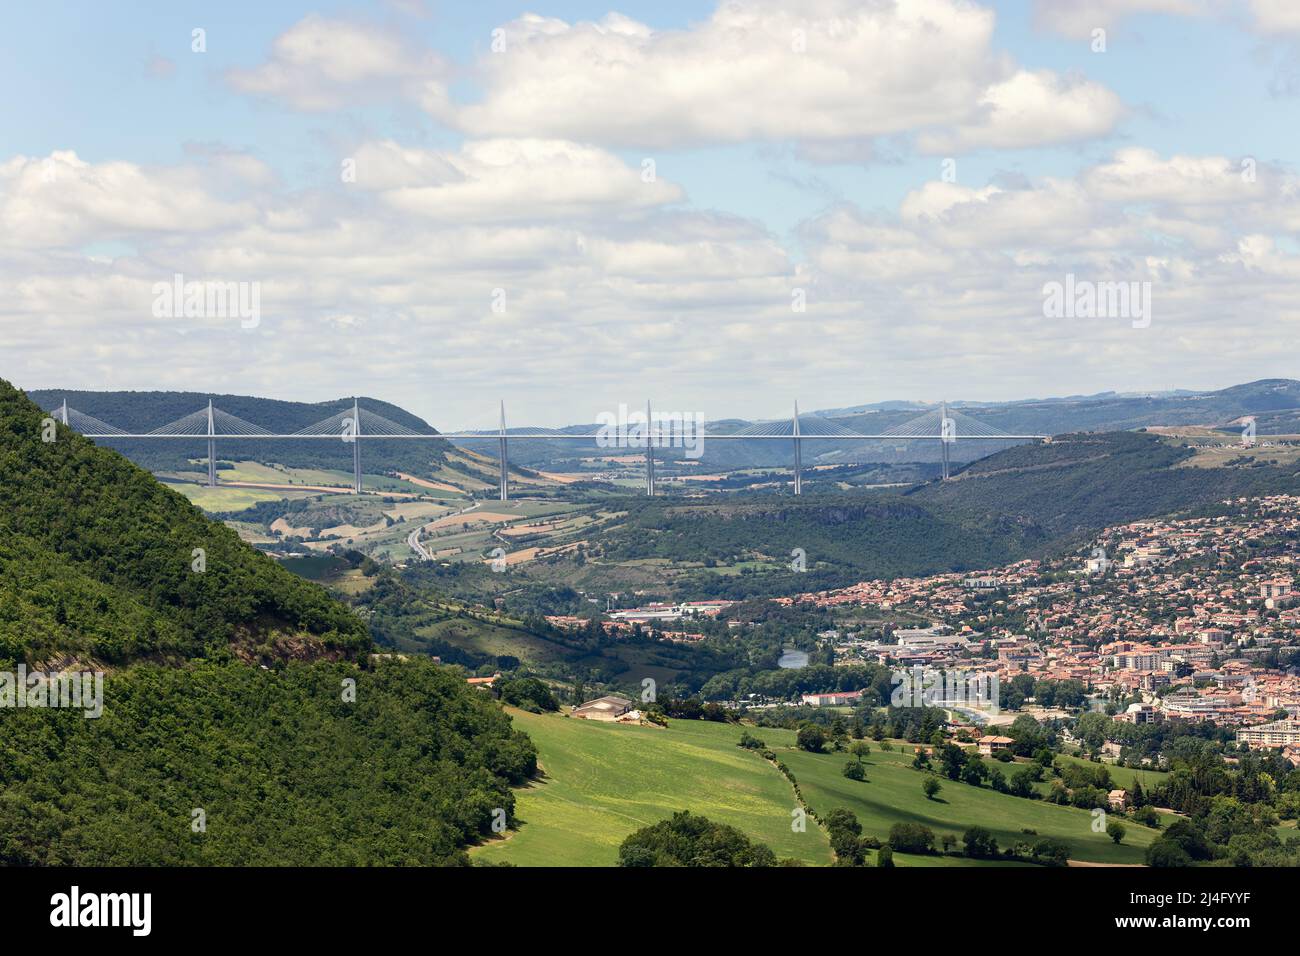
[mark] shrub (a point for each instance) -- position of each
(980, 843)
(811, 738)
(911, 838)
(688, 839)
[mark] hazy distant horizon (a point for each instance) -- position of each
(516, 412)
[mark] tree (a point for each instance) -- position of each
(1115, 830)
(1051, 851)
(527, 693)
(911, 838)
(860, 749)
(844, 830)
(885, 857)
(952, 759)
(997, 780)
(839, 733)
(1189, 838)
(811, 738)
(842, 818)
(980, 843)
(1092, 728)
(1147, 816)
(975, 771)
(688, 839)
(1167, 853)
(853, 770)
(1022, 783)
(930, 787)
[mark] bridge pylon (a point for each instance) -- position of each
(504, 457)
(649, 453)
(212, 448)
(944, 439)
(356, 447)
(798, 452)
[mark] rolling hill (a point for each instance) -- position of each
(99, 561)
(602, 781)
(241, 718)
(142, 412)
(1027, 501)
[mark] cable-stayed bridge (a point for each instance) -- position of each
(355, 425)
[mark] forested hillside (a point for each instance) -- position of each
(1022, 502)
(284, 771)
(320, 756)
(99, 560)
(1083, 482)
(843, 538)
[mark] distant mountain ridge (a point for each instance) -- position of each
(1032, 500)
(141, 412)
(1275, 403)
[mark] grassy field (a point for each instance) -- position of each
(892, 794)
(603, 781)
(483, 638)
(1122, 777)
(230, 499)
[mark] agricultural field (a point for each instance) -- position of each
(603, 781)
(1212, 448)
(221, 499)
(892, 794)
(472, 535)
(1234, 456)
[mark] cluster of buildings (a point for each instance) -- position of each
(654, 615)
(1194, 618)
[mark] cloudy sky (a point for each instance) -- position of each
(722, 208)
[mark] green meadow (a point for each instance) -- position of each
(892, 794)
(603, 781)
(1122, 776)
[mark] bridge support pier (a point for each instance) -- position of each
(947, 435)
(356, 448)
(212, 449)
(649, 454)
(505, 459)
(798, 453)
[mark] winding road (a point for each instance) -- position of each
(413, 539)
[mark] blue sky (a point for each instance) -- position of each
(231, 134)
(1198, 85)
